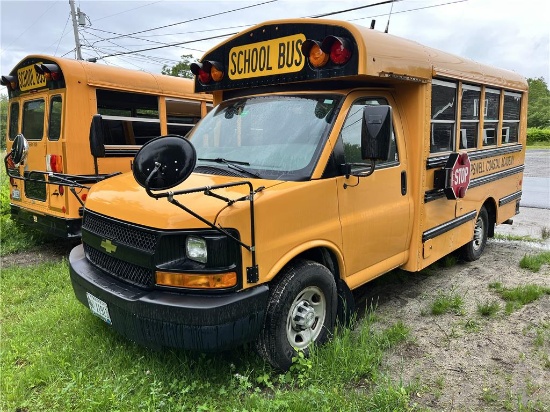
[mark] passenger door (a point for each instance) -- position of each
(375, 210)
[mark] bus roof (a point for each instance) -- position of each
(376, 55)
(100, 75)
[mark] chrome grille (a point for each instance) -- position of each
(125, 234)
(120, 269)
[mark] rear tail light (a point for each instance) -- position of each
(10, 163)
(9, 81)
(54, 163)
(50, 71)
(208, 71)
(61, 190)
(333, 49)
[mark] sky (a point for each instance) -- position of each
(510, 34)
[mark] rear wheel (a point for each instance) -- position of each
(301, 311)
(473, 250)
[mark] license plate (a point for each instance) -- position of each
(98, 308)
(16, 194)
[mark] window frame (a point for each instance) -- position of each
(434, 123)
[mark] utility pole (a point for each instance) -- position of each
(75, 29)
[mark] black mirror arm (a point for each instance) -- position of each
(348, 172)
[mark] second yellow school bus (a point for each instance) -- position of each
(335, 153)
(52, 102)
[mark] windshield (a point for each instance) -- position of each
(275, 137)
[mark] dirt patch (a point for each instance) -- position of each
(47, 252)
(467, 361)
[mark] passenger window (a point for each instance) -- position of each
(14, 120)
(33, 119)
(351, 134)
(54, 127)
(129, 118)
(510, 125)
(490, 117)
(469, 119)
(443, 122)
(182, 115)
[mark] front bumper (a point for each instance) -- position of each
(163, 318)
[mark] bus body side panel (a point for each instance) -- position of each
(290, 221)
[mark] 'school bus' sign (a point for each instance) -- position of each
(29, 78)
(277, 56)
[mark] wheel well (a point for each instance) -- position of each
(323, 256)
(346, 300)
(491, 208)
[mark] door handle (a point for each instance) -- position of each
(403, 182)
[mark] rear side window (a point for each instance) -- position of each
(182, 115)
(129, 118)
(14, 120)
(443, 124)
(33, 119)
(510, 125)
(469, 120)
(490, 117)
(54, 127)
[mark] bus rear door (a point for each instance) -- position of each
(56, 156)
(33, 127)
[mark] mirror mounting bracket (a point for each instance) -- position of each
(252, 272)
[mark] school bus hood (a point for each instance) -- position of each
(121, 197)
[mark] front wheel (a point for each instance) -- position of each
(472, 250)
(301, 311)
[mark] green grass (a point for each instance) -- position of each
(488, 308)
(516, 238)
(520, 295)
(447, 303)
(535, 262)
(57, 356)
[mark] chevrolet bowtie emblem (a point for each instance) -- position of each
(108, 246)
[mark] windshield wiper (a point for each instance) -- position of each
(232, 164)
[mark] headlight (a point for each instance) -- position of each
(196, 249)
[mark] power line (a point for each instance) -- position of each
(198, 18)
(354, 8)
(32, 25)
(126, 11)
(409, 10)
(168, 45)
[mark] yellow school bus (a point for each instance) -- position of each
(52, 101)
(335, 153)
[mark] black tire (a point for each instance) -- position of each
(474, 249)
(301, 310)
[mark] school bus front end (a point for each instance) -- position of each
(334, 154)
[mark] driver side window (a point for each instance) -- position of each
(351, 133)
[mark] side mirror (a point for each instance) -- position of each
(376, 130)
(19, 149)
(97, 137)
(164, 162)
